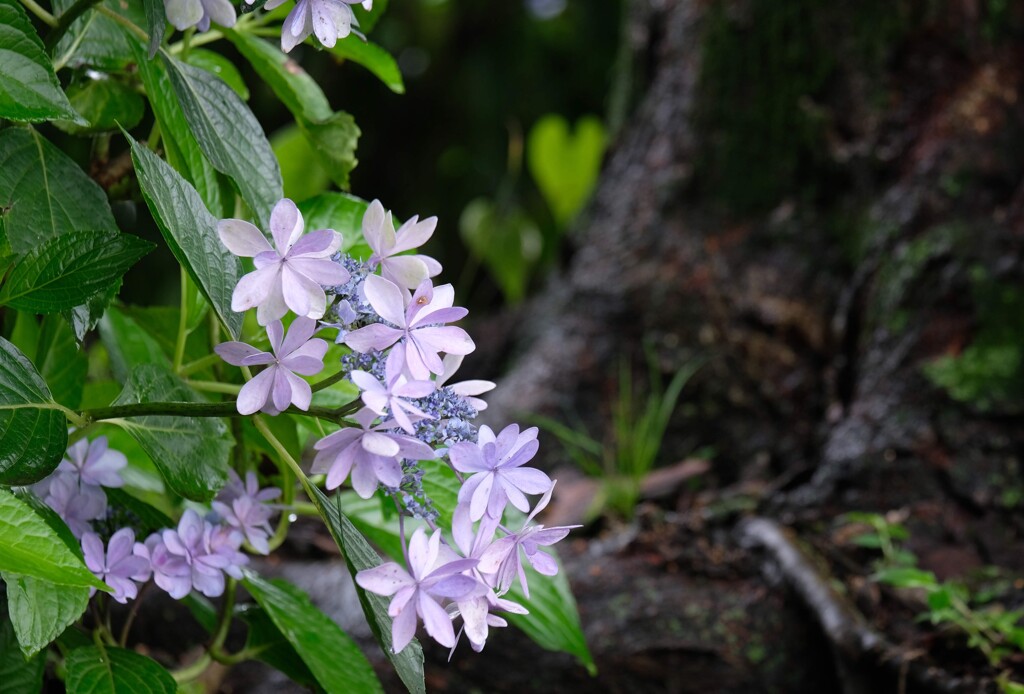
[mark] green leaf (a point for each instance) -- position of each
(217, 64)
(30, 547)
(190, 452)
(373, 58)
(293, 86)
(906, 577)
(60, 362)
(565, 165)
(109, 670)
(20, 676)
(62, 272)
(272, 647)
(335, 660)
(442, 487)
(369, 518)
(358, 556)
(301, 171)
(156, 24)
(554, 621)
(29, 90)
(40, 611)
(339, 211)
(191, 233)
(33, 433)
(183, 151)
(506, 239)
(128, 344)
(228, 134)
(43, 193)
(97, 40)
(104, 104)
(83, 319)
(335, 141)
(332, 136)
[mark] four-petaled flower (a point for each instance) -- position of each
(330, 20)
(418, 590)
(94, 463)
(391, 396)
(419, 325)
(119, 566)
(503, 558)
(241, 505)
(371, 454)
(290, 276)
(497, 473)
(406, 271)
(277, 386)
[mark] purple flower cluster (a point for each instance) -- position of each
(403, 354)
(196, 555)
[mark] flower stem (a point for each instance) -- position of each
(189, 409)
(47, 18)
(198, 365)
(215, 387)
(65, 21)
(193, 670)
(329, 381)
(126, 23)
(179, 345)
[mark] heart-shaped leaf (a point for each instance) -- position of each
(565, 165)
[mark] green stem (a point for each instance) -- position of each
(304, 509)
(329, 381)
(226, 612)
(215, 387)
(194, 42)
(47, 18)
(262, 427)
(192, 671)
(186, 42)
(126, 23)
(199, 365)
(179, 345)
(65, 21)
(189, 409)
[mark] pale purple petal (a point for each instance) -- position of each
(255, 394)
(385, 579)
(234, 352)
(404, 270)
(372, 337)
(403, 628)
(301, 393)
(386, 298)
(255, 288)
(316, 244)
(436, 621)
(374, 229)
(380, 444)
(273, 307)
(301, 294)
(528, 479)
(467, 457)
(449, 339)
(414, 234)
(285, 225)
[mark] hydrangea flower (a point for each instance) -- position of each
(467, 389)
(330, 20)
(503, 557)
(198, 13)
(371, 454)
(406, 271)
(242, 506)
(77, 504)
(420, 325)
(390, 397)
(119, 566)
(278, 386)
(290, 275)
(94, 463)
(495, 463)
(419, 590)
(195, 555)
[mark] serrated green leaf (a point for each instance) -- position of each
(339, 211)
(29, 90)
(85, 318)
(67, 269)
(190, 452)
(60, 362)
(40, 611)
(331, 655)
(334, 140)
(20, 676)
(373, 58)
(554, 620)
(109, 670)
(129, 345)
(30, 547)
(156, 24)
(104, 104)
(565, 165)
(221, 66)
(191, 233)
(97, 40)
(228, 134)
(33, 433)
(293, 86)
(43, 193)
(183, 151)
(358, 556)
